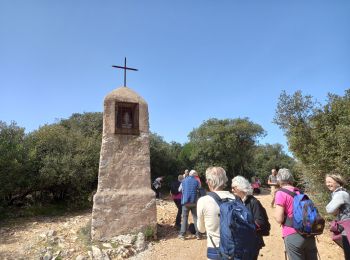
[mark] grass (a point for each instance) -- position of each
(47, 210)
(149, 233)
(84, 235)
(44, 210)
(13, 212)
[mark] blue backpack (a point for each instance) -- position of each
(306, 220)
(237, 230)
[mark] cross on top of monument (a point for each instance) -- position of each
(124, 68)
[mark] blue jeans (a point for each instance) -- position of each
(185, 213)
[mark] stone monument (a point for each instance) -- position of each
(124, 202)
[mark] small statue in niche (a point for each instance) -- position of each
(127, 116)
(126, 120)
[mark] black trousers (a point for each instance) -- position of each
(157, 191)
(346, 247)
(179, 212)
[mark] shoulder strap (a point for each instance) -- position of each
(288, 221)
(216, 197)
(291, 193)
(238, 199)
(340, 189)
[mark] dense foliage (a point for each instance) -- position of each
(55, 162)
(13, 161)
(59, 162)
(267, 157)
(227, 143)
(318, 135)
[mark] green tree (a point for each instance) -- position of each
(228, 143)
(13, 162)
(89, 124)
(185, 156)
(66, 156)
(270, 156)
(164, 158)
(317, 135)
(293, 115)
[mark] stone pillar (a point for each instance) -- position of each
(124, 202)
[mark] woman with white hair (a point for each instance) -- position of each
(208, 210)
(243, 189)
(297, 246)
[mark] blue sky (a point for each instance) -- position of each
(197, 59)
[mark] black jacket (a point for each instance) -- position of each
(260, 218)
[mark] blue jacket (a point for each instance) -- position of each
(189, 190)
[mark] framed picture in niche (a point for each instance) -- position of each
(127, 118)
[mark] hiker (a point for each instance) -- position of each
(208, 210)
(157, 184)
(176, 196)
(256, 185)
(243, 189)
(194, 173)
(297, 246)
(272, 182)
(186, 173)
(340, 207)
(200, 191)
(189, 187)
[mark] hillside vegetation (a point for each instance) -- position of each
(57, 164)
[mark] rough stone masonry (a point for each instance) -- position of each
(124, 202)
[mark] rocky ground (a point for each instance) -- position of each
(67, 237)
(41, 237)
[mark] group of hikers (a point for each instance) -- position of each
(235, 221)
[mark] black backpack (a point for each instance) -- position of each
(262, 223)
(174, 187)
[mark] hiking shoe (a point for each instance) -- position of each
(181, 237)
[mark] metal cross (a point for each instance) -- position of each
(124, 68)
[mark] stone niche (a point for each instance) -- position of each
(127, 118)
(124, 202)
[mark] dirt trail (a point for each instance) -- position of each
(29, 238)
(170, 247)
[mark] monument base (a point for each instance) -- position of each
(136, 212)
